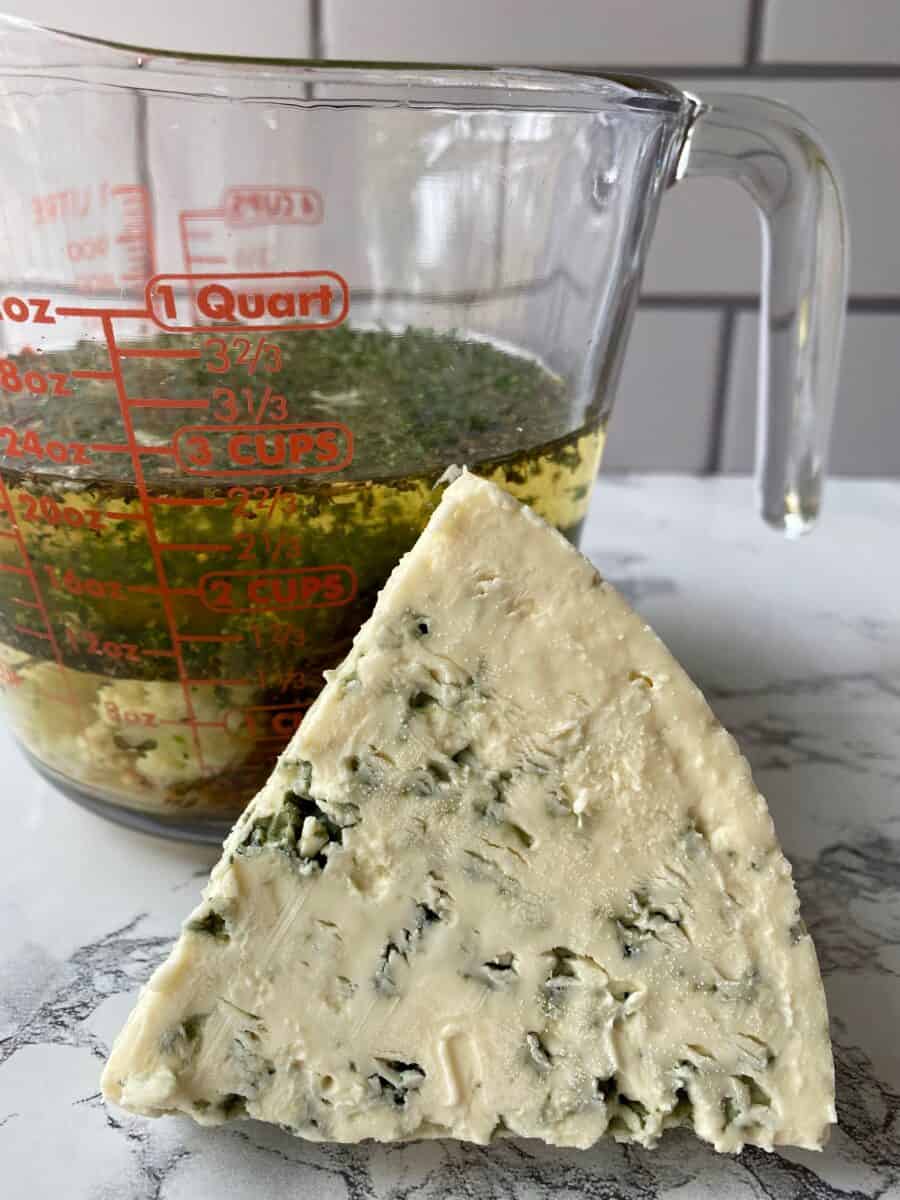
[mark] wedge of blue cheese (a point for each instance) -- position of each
(510, 878)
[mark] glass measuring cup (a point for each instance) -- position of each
(251, 311)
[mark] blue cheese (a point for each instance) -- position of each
(510, 878)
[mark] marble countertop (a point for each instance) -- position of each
(797, 646)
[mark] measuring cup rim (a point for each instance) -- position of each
(518, 86)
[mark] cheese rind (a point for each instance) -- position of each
(511, 877)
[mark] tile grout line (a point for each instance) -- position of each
(721, 381)
(663, 301)
(755, 18)
(316, 47)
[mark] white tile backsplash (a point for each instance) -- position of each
(832, 31)
(664, 407)
(535, 32)
(866, 438)
(709, 242)
(707, 239)
(268, 28)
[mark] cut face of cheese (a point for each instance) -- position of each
(510, 878)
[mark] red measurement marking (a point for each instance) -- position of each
(276, 498)
(71, 203)
(33, 309)
(152, 402)
(291, 300)
(222, 682)
(199, 547)
(159, 653)
(267, 449)
(238, 349)
(92, 374)
(128, 716)
(137, 231)
(134, 352)
(85, 639)
(252, 205)
(229, 408)
(201, 213)
(211, 637)
(269, 708)
(104, 313)
(272, 354)
(282, 680)
(35, 633)
(83, 585)
(5, 533)
(124, 516)
(99, 281)
(188, 233)
(282, 547)
(111, 448)
(287, 589)
(27, 443)
(45, 508)
(9, 569)
(37, 383)
(88, 249)
(25, 603)
(187, 502)
(152, 539)
(196, 724)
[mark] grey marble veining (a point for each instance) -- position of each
(798, 649)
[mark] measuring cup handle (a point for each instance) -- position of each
(774, 154)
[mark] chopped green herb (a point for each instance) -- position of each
(212, 923)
